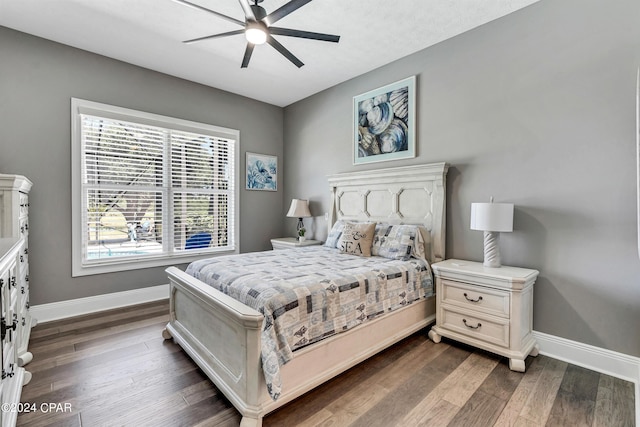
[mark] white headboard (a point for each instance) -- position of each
(402, 195)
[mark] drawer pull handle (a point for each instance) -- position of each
(472, 300)
(469, 326)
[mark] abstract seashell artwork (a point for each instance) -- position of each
(382, 123)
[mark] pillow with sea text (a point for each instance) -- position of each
(356, 238)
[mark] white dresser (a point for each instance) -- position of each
(16, 321)
(489, 308)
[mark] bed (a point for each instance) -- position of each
(224, 336)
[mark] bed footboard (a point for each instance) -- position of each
(222, 336)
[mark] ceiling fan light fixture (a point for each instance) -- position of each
(257, 28)
(255, 34)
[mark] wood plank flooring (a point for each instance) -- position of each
(114, 369)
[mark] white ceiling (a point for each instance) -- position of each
(149, 33)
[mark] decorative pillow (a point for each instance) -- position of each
(398, 242)
(334, 234)
(356, 238)
(423, 243)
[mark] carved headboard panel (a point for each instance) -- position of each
(402, 195)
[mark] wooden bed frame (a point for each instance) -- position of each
(222, 335)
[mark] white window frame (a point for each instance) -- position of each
(83, 107)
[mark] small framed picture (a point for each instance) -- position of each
(262, 172)
(384, 123)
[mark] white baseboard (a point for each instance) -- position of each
(76, 307)
(595, 358)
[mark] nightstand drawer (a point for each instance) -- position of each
(489, 301)
(495, 331)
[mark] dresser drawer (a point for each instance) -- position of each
(23, 260)
(9, 276)
(8, 350)
(486, 300)
(487, 329)
(24, 226)
(24, 205)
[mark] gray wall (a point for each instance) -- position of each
(536, 109)
(38, 79)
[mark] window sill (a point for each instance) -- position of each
(129, 264)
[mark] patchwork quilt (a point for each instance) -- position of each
(307, 294)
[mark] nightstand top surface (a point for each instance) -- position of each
(294, 242)
(473, 268)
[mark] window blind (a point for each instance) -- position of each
(151, 191)
(202, 168)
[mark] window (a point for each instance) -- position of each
(149, 190)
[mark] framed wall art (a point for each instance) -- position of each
(262, 172)
(384, 123)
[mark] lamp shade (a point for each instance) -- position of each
(492, 216)
(299, 209)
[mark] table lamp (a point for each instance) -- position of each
(299, 209)
(492, 218)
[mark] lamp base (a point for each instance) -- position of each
(491, 249)
(298, 228)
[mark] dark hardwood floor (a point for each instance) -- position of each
(114, 369)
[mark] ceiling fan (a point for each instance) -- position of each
(258, 28)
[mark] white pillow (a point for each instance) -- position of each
(334, 234)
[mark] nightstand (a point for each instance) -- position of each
(488, 308)
(291, 242)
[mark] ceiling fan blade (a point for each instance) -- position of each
(284, 10)
(214, 36)
(247, 55)
(219, 15)
(283, 50)
(248, 12)
(303, 34)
